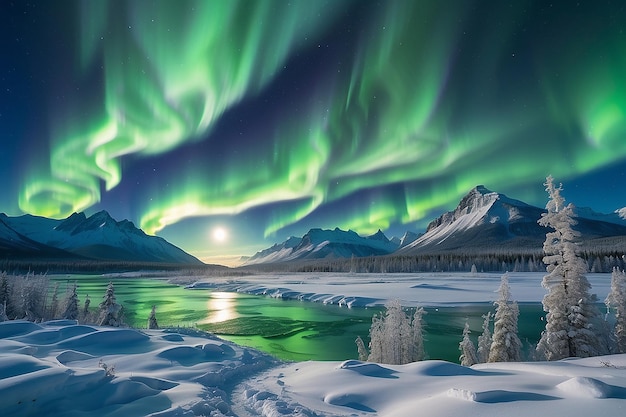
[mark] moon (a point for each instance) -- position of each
(220, 234)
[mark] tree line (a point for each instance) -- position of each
(29, 297)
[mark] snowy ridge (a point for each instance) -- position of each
(618, 217)
(97, 237)
(483, 220)
(479, 209)
(320, 244)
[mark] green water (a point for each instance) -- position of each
(288, 329)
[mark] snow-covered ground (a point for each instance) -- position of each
(424, 289)
(58, 369)
(63, 369)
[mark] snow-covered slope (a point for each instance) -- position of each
(482, 218)
(96, 237)
(485, 220)
(15, 245)
(590, 214)
(320, 244)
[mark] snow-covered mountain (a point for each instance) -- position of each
(485, 220)
(96, 237)
(325, 244)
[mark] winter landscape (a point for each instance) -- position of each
(312, 208)
(88, 363)
(61, 368)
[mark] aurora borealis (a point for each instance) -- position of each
(269, 117)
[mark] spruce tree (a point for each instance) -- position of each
(395, 338)
(54, 304)
(484, 340)
(616, 301)
(570, 308)
(109, 309)
(86, 317)
(71, 304)
(5, 295)
(468, 350)
(505, 345)
(152, 321)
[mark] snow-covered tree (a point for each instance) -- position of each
(468, 350)
(5, 295)
(570, 330)
(86, 316)
(152, 321)
(3, 312)
(54, 303)
(109, 309)
(361, 349)
(505, 345)
(395, 338)
(71, 304)
(484, 340)
(417, 328)
(33, 290)
(616, 301)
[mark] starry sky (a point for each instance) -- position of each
(227, 126)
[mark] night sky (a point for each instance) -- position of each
(227, 126)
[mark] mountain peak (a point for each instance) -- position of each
(378, 236)
(98, 236)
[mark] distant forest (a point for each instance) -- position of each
(532, 261)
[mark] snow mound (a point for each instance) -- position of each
(63, 369)
(585, 387)
(368, 369)
(461, 394)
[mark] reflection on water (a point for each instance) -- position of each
(288, 329)
(221, 307)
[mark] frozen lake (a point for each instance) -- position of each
(306, 316)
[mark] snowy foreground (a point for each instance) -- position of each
(63, 369)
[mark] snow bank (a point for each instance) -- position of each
(365, 290)
(63, 369)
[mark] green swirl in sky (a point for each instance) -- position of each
(430, 99)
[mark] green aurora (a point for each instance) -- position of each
(353, 114)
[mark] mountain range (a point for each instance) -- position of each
(482, 221)
(97, 237)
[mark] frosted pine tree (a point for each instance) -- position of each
(54, 303)
(397, 335)
(616, 301)
(109, 309)
(394, 337)
(152, 321)
(484, 340)
(71, 304)
(570, 308)
(86, 317)
(5, 293)
(377, 339)
(468, 350)
(505, 345)
(3, 312)
(361, 349)
(417, 329)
